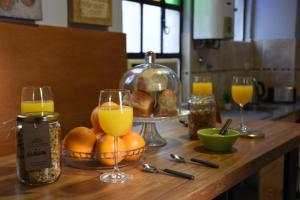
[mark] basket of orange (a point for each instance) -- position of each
(91, 148)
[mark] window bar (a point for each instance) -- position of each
(180, 35)
(163, 6)
(163, 25)
(142, 15)
(244, 20)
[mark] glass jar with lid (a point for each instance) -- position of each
(38, 148)
(155, 96)
(202, 114)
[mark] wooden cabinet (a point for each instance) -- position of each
(76, 63)
(271, 176)
(271, 180)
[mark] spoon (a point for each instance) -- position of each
(152, 169)
(223, 130)
(194, 160)
(185, 124)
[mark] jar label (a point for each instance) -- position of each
(37, 150)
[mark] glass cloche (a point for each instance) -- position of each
(155, 96)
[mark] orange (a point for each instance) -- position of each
(99, 135)
(105, 150)
(92, 129)
(94, 120)
(109, 104)
(80, 139)
(95, 117)
(133, 141)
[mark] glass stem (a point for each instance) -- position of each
(242, 125)
(116, 150)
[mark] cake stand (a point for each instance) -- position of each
(149, 130)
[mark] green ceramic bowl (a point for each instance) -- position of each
(215, 142)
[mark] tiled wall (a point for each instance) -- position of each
(229, 60)
(272, 61)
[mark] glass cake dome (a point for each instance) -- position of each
(155, 95)
(155, 89)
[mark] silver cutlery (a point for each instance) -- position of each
(180, 159)
(153, 169)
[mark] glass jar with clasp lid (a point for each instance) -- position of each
(38, 148)
(202, 114)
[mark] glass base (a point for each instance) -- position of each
(250, 133)
(151, 135)
(112, 177)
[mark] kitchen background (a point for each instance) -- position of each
(270, 51)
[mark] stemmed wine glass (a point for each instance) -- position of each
(116, 116)
(34, 99)
(37, 99)
(242, 92)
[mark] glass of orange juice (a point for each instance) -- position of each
(202, 85)
(37, 99)
(242, 92)
(116, 116)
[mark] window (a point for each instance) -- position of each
(152, 25)
(243, 20)
(239, 20)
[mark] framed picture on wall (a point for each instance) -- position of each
(98, 12)
(24, 9)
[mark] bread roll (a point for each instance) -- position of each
(7, 5)
(151, 80)
(166, 104)
(28, 2)
(142, 104)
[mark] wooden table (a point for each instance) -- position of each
(247, 157)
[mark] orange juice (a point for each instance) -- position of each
(116, 121)
(242, 94)
(202, 88)
(37, 106)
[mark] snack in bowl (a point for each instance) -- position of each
(89, 148)
(133, 141)
(80, 139)
(213, 141)
(105, 150)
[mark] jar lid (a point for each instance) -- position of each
(42, 116)
(201, 99)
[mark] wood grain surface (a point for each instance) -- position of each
(246, 158)
(270, 186)
(76, 63)
(271, 180)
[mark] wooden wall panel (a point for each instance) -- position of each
(76, 63)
